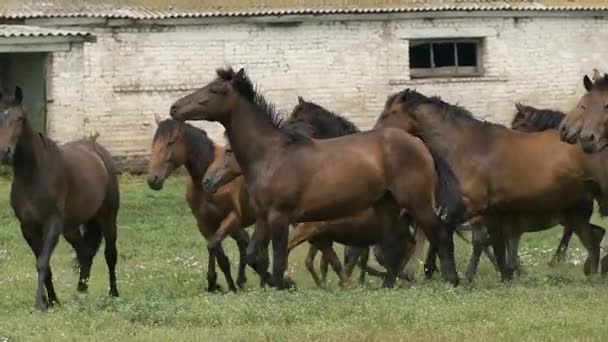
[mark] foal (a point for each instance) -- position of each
(56, 189)
(224, 213)
(292, 178)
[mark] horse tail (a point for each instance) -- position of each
(449, 205)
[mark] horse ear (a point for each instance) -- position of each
(587, 83)
(301, 100)
(240, 75)
(157, 119)
(519, 107)
(597, 75)
(18, 95)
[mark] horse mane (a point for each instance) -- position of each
(200, 145)
(248, 90)
(318, 122)
(539, 119)
(601, 83)
(450, 112)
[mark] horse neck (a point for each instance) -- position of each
(29, 152)
(452, 139)
(196, 166)
(252, 136)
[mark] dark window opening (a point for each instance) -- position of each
(445, 58)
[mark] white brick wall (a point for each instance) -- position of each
(115, 85)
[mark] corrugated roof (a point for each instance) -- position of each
(34, 31)
(157, 9)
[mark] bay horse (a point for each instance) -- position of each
(587, 124)
(292, 178)
(529, 119)
(357, 232)
(512, 192)
(56, 189)
(225, 213)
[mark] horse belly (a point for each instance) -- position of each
(334, 197)
(360, 229)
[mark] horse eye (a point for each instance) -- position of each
(606, 106)
(171, 142)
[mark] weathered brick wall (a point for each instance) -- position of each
(116, 85)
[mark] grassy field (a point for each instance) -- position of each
(160, 268)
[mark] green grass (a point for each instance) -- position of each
(161, 265)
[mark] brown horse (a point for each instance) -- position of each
(513, 192)
(356, 231)
(292, 178)
(529, 119)
(225, 213)
(588, 122)
(55, 189)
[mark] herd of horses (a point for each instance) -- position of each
(426, 170)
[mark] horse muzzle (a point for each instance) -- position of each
(210, 184)
(155, 182)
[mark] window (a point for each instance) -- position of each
(445, 58)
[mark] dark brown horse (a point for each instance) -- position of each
(56, 189)
(356, 231)
(513, 192)
(529, 119)
(588, 122)
(225, 213)
(292, 178)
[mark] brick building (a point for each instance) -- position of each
(110, 65)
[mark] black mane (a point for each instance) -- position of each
(538, 120)
(317, 122)
(246, 88)
(412, 99)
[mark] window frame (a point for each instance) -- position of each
(448, 71)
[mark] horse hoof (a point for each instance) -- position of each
(288, 284)
(114, 293)
(241, 282)
(214, 288)
(82, 288)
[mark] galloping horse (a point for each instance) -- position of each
(530, 119)
(227, 212)
(512, 192)
(588, 122)
(55, 189)
(292, 178)
(361, 229)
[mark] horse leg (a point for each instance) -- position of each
(34, 240)
(242, 240)
(109, 231)
(323, 267)
(85, 246)
(480, 241)
(420, 249)
(363, 261)
(592, 245)
(279, 231)
(51, 230)
(499, 246)
(430, 265)
(329, 253)
(562, 247)
(513, 261)
(255, 255)
(222, 260)
(231, 223)
(264, 260)
(310, 264)
(212, 285)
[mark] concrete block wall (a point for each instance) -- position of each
(116, 85)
